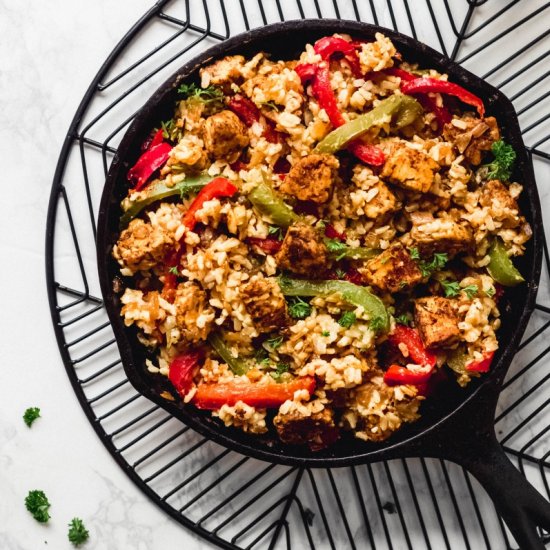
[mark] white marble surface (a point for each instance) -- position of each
(49, 52)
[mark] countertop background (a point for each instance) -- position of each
(49, 53)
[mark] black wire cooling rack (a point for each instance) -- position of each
(239, 502)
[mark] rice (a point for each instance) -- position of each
(320, 361)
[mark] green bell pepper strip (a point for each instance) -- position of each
(353, 294)
(237, 365)
(402, 110)
(270, 204)
(500, 267)
(158, 191)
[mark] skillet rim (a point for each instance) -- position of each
(487, 390)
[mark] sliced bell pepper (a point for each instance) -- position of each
(327, 46)
(427, 85)
(155, 139)
(398, 375)
(237, 365)
(261, 396)
(482, 365)
(158, 191)
(249, 113)
(411, 338)
(351, 293)
(320, 85)
(270, 204)
(150, 161)
(500, 266)
(245, 109)
(331, 233)
(401, 110)
(180, 371)
(217, 188)
(269, 245)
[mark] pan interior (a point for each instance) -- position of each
(285, 41)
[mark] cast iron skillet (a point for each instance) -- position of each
(457, 424)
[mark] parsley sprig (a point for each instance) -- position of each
(38, 505)
(298, 308)
(280, 369)
(347, 319)
(210, 95)
(503, 163)
(30, 415)
(78, 534)
(438, 261)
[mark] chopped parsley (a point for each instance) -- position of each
(281, 369)
(276, 231)
(325, 333)
(470, 290)
(403, 319)
(78, 534)
(340, 273)
(175, 270)
(269, 105)
(490, 291)
(30, 415)
(437, 262)
(298, 308)
(171, 131)
(347, 319)
(274, 343)
(38, 505)
(207, 95)
(503, 163)
(377, 324)
(451, 288)
(336, 247)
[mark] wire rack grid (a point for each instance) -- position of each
(235, 501)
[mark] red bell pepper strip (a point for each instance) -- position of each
(247, 111)
(369, 154)
(427, 85)
(148, 162)
(331, 233)
(327, 46)
(325, 96)
(411, 338)
(153, 140)
(442, 115)
(217, 188)
(320, 86)
(482, 365)
(269, 245)
(398, 375)
(181, 369)
(262, 396)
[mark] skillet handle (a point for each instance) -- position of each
(519, 504)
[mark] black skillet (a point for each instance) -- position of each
(457, 424)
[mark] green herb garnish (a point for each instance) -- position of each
(451, 288)
(336, 247)
(298, 308)
(347, 319)
(269, 105)
(415, 255)
(325, 333)
(377, 324)
(503, 163)
(174, 270)
(470, 290)
(78, 534)
(281, 369)
(206, 95)
(276, 231)
(274, 343)
(30, 415)
(437, 262)
(403, 320)
(38, 505)
(490, 291)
